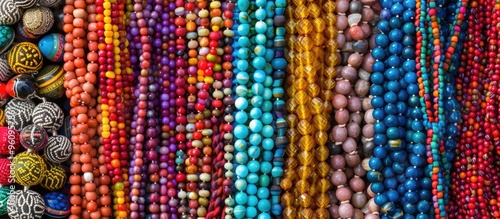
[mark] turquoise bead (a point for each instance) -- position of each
(251, 212)
(240, 131)
(239, 211)
(260, 39)
(267, 131)
(241, 198)
(254, 152)
(268, 144)
(260, 3)
(258, 89)
(263, 193)
(251, 189)
(264, 180)
(244, 53)
(252, 200)
(241, 91)
(260, 14)
(255, 139)
(260, 50)
(241, 103)
(243, 5)
(256, 101)
(267, 156)
(268, 82)
(265, 167)
(267, 106)
(240, 184)
(259, 63)
(241, 157)
(269, 58)
(264, 205)
(277, 172)
(259, 76)
(255, 113)
(255, 125)
(242, 77)
(243, 29)
(240, 145)
(268, 94)
(253, 166)
(279, 63)
(265, 215)
(260, 27)
(242, 171)
(241, 117)
(267, 118)
(279, 3)
(270, 9)
(243, 41)
(252, 178)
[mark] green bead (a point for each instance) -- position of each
(264, 180)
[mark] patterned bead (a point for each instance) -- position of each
(6, 38)
(5, 72)
(33, 137)
(58, 149)
(54, 178)
(4, 196)
(25, 58)
(19, 113)
(51, 46)
(5, 177)
(9, 140)
(50, 82)
(9, 12)
(38, 20)
(25, 204)
(57, 205)
(29, 169)
(21, 86)
(50, 3)
(49, 116)
(25, 4)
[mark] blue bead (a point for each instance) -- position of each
(408, 40)
(251, 189)
(401, 178)
(388, 208)
(276, 209)
(240, 131)
(426, 183)
(242, 77)
(253, 166)
(241, 117)
(393, 86)
(392, 195)
(407, 216)
(391, 183)
(252, 178)
(241, 103)
(390, 97)
(375, 163)
(410, 208)
(451, 104)
(279, 63)
(423, 206)
(255, 113)
(268, 144)
(392, 74)
(402, 96)
(387, 172)
(263, 193)
(264, 205)
(377, 187)
(243, 29)
(449, 91)
(450, 144)
(267, 118)
(391, 109)
(379, 114)
(398, 168)
(385, 15)
(380, 152)
(399, 156)
(408, 15)
(241, 198)
(378, 66)
(454, 117)
(411, 197)
(380, 139)
(408, 53)
(409, 28)
(378, 53)
(376, 90)
(422, 216)
(395, 22)
(377, 78)
(381, 40)
(425, 194)
(417, 125)
(387, 162)
(379, 127)
(251, 212)
(260, 39)
(239, 211)
(243, 5)
(255, 125)
(394, 61)
(396, 35)
(264, 180)
(397, 9)
(377, 102)
(266, 167)
(380, 199)
(392, 133)
(264, 215)
(374, 176)
(391, 120)
(417, 160)
(386, 3)
(254, 152)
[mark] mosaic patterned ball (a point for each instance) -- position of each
(5, 172)
(57, 205)
(2, 116)
(55, 177)
(6, 37)
(51, 46)
(4, 196)
(24, 58)
(29, 169)
(5, 72)
(58, 149)
(19, 113)
(9, 141)
(9, 12)
(38, 20)
(50, 3)
(33, 137)
(25, 4)
(25, 204)
(50, 82)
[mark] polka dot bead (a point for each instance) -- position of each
(55, 177)
(57, 205)
(33, 137)
(49, 116)
(58, 149)
(5, 172)
(5, 72)
(9, 141)
(25, 204)
(50, 3)
(4, 196)
(38, 20)
(9, 12)
(19, 113)
(25, 4)
(6, 37)
(29, 169)
(25, 57)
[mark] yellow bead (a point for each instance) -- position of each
(105, 113)
(121, 125)
(105, 121)
(113, 123)
(208, 80)
(110, 74)
(105, 134)
(104, 107)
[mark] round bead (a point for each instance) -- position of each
(57, 205)
(5, 177)
(38, 20)
(55, 177)
(33, 137)
(9, 12)
(49, 116)
(24, 58)
(58, 149)
(19, 113)
(51, 46)
(6, 38)
(25, 204)
(9, 141)
(5, 72)
(29, 169)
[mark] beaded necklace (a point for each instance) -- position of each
(138, 131)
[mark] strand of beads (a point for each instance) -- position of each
(138, 131)
(169, 146)
(280, 141)
(152, 13)
(181, 64)
(389, 102)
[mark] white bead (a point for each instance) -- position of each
(88, 177)
(228, 166)
(182, 194)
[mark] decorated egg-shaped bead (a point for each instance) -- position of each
(18, 113)
(21, 86)
(50, 82)
(9, 12)
(58, 149)
(25, 204)
(57, 205)
(25, 58)
(55, 177)
(23, 35)
(49, 116)
(5, 177)
(38, 20)
(33, 137)
(5, 72)
(6, 37)
(9, 141)
(4, 196)
(29, 169)
(51, 46)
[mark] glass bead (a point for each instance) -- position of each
(33, 137)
